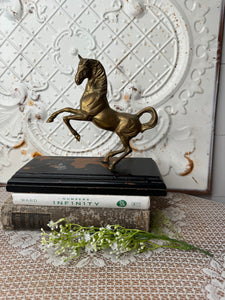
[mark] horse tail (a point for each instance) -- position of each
(152, 122)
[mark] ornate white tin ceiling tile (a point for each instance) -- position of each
(161, 53)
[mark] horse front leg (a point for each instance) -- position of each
(56, 113)
(79, 116)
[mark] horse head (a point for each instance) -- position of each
(84, 70)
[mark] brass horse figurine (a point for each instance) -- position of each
(94, 107)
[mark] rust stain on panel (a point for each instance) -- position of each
(38, 117)
(23, 152)
(30, 102)
(21, 144)
(126, 97)
(190, 165)
(36, 153)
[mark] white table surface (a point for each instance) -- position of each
(28, 273)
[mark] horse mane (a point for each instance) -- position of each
(99, 76)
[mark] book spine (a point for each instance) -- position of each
(36, 217)
(91, 201)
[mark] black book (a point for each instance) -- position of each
(88, 175)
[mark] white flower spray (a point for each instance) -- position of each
(68, 240)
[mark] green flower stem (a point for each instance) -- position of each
(69, 239)
(146, 236)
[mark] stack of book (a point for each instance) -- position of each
(82, 190)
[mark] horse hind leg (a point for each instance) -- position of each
(112, 153)
(126, 150)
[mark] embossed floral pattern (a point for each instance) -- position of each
(155, 53)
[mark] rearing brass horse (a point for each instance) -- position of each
(94, 107)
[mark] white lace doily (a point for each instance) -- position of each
(161, 274)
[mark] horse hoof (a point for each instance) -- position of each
(77, 136)
(111, 167)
